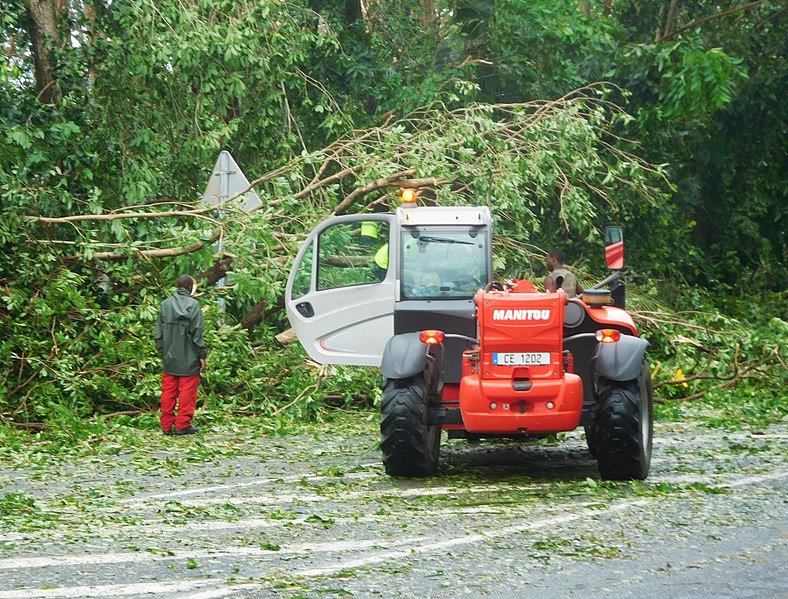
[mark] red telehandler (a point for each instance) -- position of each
(412, 292)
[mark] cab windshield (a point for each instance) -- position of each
(443, 262)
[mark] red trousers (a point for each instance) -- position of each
(180, 391)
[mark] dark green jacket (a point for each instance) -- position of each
(179, 334)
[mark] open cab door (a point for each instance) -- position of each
(341, 290)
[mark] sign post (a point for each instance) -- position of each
(227, 180)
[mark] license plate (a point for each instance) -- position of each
(521, 359)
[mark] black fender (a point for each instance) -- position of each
(622, 360)
(405, 356)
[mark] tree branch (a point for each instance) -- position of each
(161, 253)
(748, 370)
(395, 180)
(200, 213)
(33, 427)
(667, 36)
(217, 271)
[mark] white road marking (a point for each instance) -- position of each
(250, 524)
(752, 480)
(268, 480)
(416, 545)
(214, 593)
(466, 540)
(431, 491)
(262, 481)
(258, 523)
(112, 590)
(392, 492)
(91, 559)
(698, 478)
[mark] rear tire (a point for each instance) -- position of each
(624, 427)
(410, 444)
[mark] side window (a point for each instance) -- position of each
(303, 278)
(354, 253)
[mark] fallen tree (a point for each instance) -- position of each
(560, 154)
(77, 318)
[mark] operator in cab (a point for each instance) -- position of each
(560, 276)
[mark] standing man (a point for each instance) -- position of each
(180, 343)
(559, 276)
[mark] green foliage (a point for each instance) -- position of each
(540, 49)
(692, 71)
(731, 355)
(147, 93)
(68, 353)
(692, 95)
(20, 512)
(63, 351)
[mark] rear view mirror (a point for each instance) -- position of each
(614, 247)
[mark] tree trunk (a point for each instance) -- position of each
(255, 316)
(44, 35)
(668, 27)
(427, 12)
(217, 271)
(354, 10)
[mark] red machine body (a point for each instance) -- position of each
(518, 381)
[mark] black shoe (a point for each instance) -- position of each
(167, 432)
(190, 430)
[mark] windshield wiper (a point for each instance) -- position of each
(428, 239)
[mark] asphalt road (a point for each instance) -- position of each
(315, 516)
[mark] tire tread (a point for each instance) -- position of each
(408, 445)
(622, 453)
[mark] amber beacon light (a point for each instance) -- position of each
(408, 196)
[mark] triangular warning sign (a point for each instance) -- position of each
(227, 180)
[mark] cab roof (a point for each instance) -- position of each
(444, 215)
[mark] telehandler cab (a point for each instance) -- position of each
(413, 293)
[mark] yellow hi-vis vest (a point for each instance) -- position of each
(382, 257)
(369, 231)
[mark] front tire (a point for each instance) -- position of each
(624, 427)
(410, 444)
